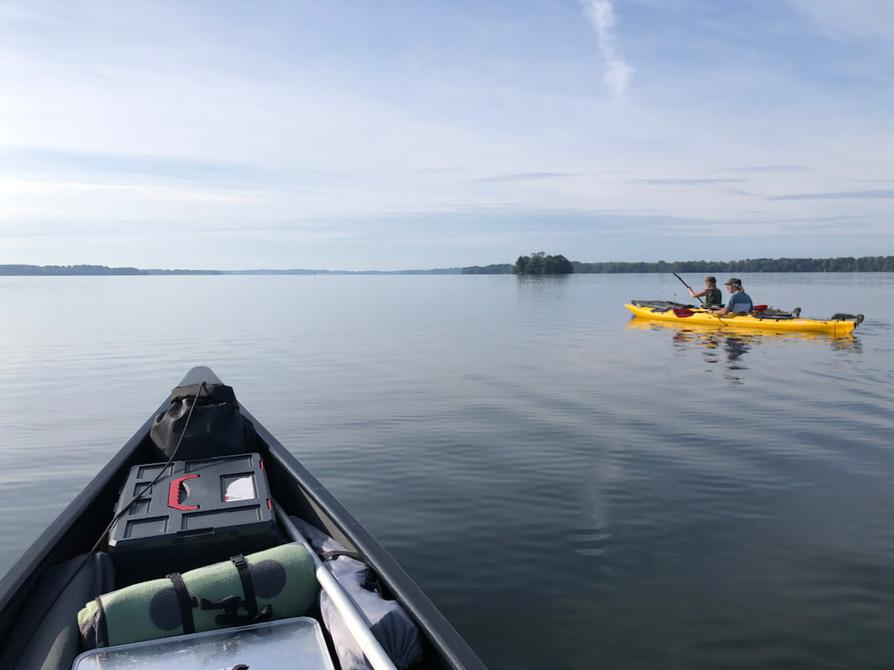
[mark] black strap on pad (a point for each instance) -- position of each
(185, 602)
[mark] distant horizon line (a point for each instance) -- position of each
(85, 269)
(785, 264)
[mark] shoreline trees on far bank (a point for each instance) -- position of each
(839, 264)
(538, 263)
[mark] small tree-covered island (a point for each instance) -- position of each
(541, 264)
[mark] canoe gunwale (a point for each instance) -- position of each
(440, 632)
(58, 538)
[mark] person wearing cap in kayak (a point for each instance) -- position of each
(712, 295)
(739, 301)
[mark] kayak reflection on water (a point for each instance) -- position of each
(734, 345)
(696, 332)
(724, 346)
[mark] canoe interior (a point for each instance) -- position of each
(299, 493)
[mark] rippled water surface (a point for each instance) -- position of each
(571, 488)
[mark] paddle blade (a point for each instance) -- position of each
(682, 312)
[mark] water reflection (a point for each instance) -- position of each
(718, 345)
(541, 297)
(541, 284)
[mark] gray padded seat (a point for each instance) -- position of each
(46, 635)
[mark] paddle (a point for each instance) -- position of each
(687, 286)
(347, 608)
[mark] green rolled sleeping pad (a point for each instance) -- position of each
(273, 584)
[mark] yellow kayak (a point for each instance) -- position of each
(655, 312)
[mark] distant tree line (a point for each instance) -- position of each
(841, 264)
(91, 270)
(301, 271)
(541, 264)
(495, 269)
(538, 263)
(66, 270)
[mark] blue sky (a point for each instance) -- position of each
(421, 134)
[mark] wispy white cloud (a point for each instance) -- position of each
(867, 18)
(687, 182)
(618, 72)
(782, 167)
(46, 188)
(837, 195)
(524, 176)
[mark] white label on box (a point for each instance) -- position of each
(240, 487)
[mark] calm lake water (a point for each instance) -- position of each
(572, 490)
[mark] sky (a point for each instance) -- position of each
(416, 134)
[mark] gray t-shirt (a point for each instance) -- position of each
(739, 303)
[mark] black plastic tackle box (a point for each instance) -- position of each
(197, 513)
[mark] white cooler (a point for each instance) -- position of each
(275, 645)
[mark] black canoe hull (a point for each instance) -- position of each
(297, 490)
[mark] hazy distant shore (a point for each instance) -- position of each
(840, 264)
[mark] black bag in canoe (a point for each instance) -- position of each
(216, 427)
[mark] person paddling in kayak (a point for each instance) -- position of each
(712, 295)
(739, 301)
